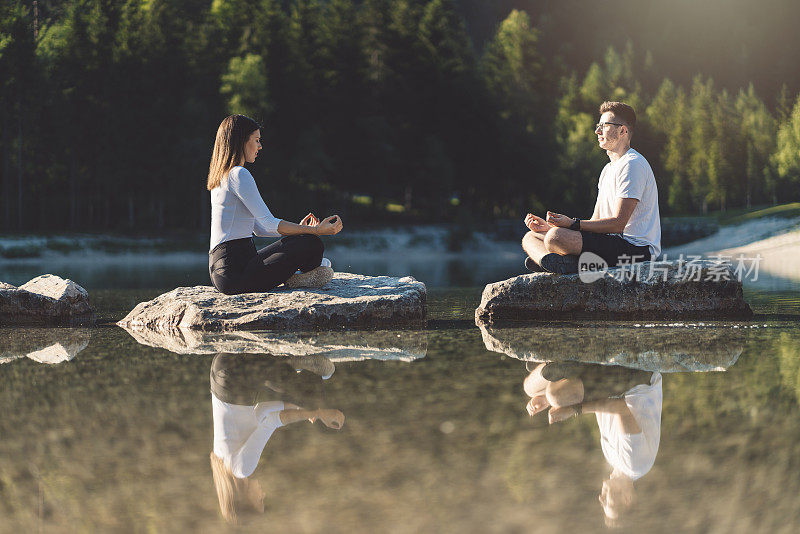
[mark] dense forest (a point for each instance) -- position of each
(403, 110)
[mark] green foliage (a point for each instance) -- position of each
(783, 210)
(512, 69)
(444, 38)
(789, 358)
(758, 132)
(245, 86)
(787, 154)
(390, 99)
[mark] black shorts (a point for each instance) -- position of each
(599, 381)
(614, 249)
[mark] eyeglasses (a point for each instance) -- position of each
(599, 125)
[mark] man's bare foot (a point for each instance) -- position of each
(533, 266)
(556, 263)
(534, 384)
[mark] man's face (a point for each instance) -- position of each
(616, 496)
(609, 136)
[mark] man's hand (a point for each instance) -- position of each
(557, 415)
(537, 404)
(310, 220)
(536, 224)
(556, 219)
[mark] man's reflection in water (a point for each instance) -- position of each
(627, 405)
(251, 397)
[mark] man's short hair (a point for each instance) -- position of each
(621, 111)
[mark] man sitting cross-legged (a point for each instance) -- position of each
(625, 225)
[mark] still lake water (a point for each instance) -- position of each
(436, 438)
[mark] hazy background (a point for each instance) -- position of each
(388, 111)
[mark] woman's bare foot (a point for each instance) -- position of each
(315, 278)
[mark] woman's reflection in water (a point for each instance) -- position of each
(627, 406)
(251, 397)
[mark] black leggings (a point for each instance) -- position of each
(236, 267)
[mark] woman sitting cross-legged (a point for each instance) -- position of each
(238, 212)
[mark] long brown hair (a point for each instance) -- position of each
(232, 135)
(232, 492)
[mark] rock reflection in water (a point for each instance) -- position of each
(662, 348)
(252, 396)
(627, 406)
(44, 345)
(403, 345)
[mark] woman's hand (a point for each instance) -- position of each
(310, 220)
(329, 226)
(556, 219)
(331, 418)
(536, 224)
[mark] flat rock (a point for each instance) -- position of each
(701, 289)
(45, 300)
(663, 348)
(44, 345)
(348, 301)
(336, 346)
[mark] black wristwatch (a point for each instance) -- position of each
(575, 225)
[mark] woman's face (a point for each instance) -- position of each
(252, 147)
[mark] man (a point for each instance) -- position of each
(625, 225)
(627, 404)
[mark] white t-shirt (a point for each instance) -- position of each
(631, 177)
(242, 432)
(634, 454)
(237, 209)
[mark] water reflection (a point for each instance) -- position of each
(654, 347)
(43, 345)
(252, 396)
(626, 404)
(403, 345)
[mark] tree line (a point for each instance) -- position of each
(378, 109)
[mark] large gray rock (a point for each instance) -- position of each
(650, 290)
(337, 346)
(45, 300)
(44, 345)
(664, 348)
(349, 300)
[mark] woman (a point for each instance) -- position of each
(252, 396)
(238, 212)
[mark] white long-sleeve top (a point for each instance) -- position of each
(238, 211)
(242, 432)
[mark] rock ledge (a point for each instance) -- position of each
(349, 300)
(46, 300)
(650, 290)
